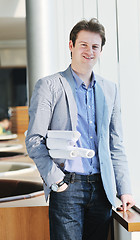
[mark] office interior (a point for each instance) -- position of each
(34, 37)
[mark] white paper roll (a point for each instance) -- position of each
(71, 135)
(66, 154)
(86, 153)
(58, 143)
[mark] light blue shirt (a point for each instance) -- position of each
(86, 125)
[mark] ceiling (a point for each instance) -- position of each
(12, 29)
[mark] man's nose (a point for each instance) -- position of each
(89, 50)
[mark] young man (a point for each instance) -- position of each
(77, 99)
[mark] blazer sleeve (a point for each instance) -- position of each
(119, 160)
(40, 113)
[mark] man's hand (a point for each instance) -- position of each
(127, 202)
(62, 188)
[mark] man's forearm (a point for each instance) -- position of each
(37, 150)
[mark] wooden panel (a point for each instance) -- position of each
(20, 223)
(24, 223)
(19, 119)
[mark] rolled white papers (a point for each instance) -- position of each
(66, 154)
(70, 135)
(58, 143)
(71, 153)
(62, 145)
(86, 153)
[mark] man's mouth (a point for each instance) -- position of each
(88, 57)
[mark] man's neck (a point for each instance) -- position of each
(84, 76)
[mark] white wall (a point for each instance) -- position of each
(12, 33)
(14, 8)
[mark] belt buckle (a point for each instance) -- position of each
(88, 179)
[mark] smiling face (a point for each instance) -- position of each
(86, 51)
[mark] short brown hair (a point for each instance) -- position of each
(93, 26)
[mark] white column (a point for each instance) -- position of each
(41, 40)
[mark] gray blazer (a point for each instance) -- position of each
(53, 107)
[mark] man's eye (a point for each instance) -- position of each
(95, 47)
(84, 45)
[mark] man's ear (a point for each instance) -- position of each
(101, 50)
(70, 45)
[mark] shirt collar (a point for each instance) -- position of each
(79, 81)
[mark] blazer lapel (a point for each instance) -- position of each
(99, 101)
(69, 87)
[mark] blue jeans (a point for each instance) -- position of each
(81, 212)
